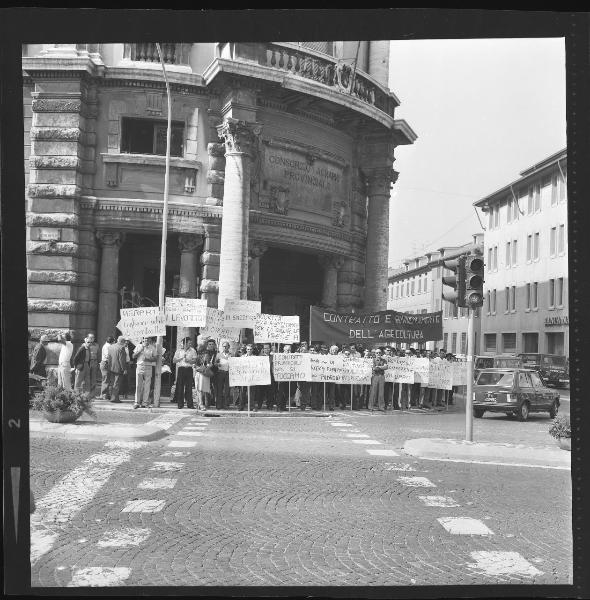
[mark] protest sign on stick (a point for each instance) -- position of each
(215, 327)
(249, 370)
(400, 369)
(186, 312)
(357, 371)
(145, 321)
(291, 367)
(241, 313)
(326, 368)
(421, 369)
(276, 329)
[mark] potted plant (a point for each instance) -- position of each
(61, 406)
(561, 430)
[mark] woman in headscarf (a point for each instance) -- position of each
(204, 371)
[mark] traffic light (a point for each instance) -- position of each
(473, 281)
(457, 281)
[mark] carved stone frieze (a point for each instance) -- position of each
(69, 134)
(56, 105)
(238, 135)
(54, 162)
(52, 220)
(279, 199)
(54, 248)
(37, 332)
(189, 242)
(63, 277)
(340, 216)
(67, 306)
(48, 190)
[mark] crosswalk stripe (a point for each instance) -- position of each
(157, 483)
(416, 481)
(166, 466)
(181, 444)
(99, 577)
(440, 501)
(464, 526)
(366, 442)
(496, 563)
(123, 537)
(143, 506)
(374, 452)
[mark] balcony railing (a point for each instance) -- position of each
(173, 54)
(330, 72)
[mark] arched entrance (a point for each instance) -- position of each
(290, 282)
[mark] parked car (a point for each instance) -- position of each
(497, 361)
(514, 391)
(553, 368)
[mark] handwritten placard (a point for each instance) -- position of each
(276, 329)
(241, 313)
(440, 375)
(421, 370)
(400, 369)
(357, 371)
(186, 312)
(249, 370)
(146, 321)
(326, 367)
(291, 366)
(459, 369)
(215, 327)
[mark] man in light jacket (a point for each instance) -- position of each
(117, 366)
(64, 369)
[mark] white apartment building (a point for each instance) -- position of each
(526, 273)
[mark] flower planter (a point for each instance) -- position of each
(565, 443)
(61, 416)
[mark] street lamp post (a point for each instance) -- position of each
(162, 289)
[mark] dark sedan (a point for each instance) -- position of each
(514, 392)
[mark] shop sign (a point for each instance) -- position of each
(557, 321)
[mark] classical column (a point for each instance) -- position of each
(188, 245)
(108, 292)
(255, 252)
(233, 261)
(210, 264)
(379, 61)
(378, 189)
(331, 266)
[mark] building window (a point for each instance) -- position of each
(489, 302)
(554, 190)
(535, 296)
(507, 295)
(528, 296)
(445, 340)
(530, 205)
(562, 187)
(509, 210)
(491, 219)
(419, 285)
(508, 254)
(147, 136)
(545, 192)
(463, 342)
(493, 302)
(412, 287)
(513, 298)
(537, 197)
(514, 253)
(561, 239)
(552, 241)
(454, 343)
(497, 216)
(426, 282)
(552, 293)
(495, 258)
(455, 310)
(489, 342)
(536, 243)
(559, 292)
(509, 343)
(437, 304)
(529, 247)
(530, 342)
(490, 256)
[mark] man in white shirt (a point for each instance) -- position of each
(64, 369)
(185, 359)
(104, 369)
(146, 354)
(222, 376)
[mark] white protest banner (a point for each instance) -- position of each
(357, 371)
(249, 370)
(294, 366)
(241, 313)
(459, 373)
(145, 321)
(433, 374)
(326, 367)
(186, 312)
(276, 329)
(400, 369)
(421, 369)
(440, 375)
(215, 327)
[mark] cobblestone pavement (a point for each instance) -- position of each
(234, 501)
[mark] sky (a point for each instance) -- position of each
(484, 110)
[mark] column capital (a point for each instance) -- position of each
(256, 249)
(331, 261)
(189, 242)
(238, 135)
(110, 238)
(380, 180)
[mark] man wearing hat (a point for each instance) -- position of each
(39, 356)
(117, 366)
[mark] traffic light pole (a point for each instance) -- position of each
(469, 392)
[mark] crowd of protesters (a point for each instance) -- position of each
(202, 375)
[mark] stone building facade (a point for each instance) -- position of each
(280, 175)
(526, 255)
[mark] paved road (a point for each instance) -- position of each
(308, 501)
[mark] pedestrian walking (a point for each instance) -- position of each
(82, 365)
(39, 357)
(184, 358)
(106, 383)
(117, 365)
(64, 368)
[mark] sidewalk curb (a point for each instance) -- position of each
(107, 431)
(487, 452)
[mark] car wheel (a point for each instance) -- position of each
(523, 411)
(478, 413)
(554, 409)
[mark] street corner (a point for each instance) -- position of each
(97, 431)
(487, 452)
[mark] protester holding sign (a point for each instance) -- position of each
(250, 350)
(304, 387)
(222, 377)
(283, 386)
(205, 370)
(266, 393)
(184, 358)
(145, 354)
(376, 400)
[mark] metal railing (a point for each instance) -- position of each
(172, 54)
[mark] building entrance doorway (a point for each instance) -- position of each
(530, 342)
(290, 282)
